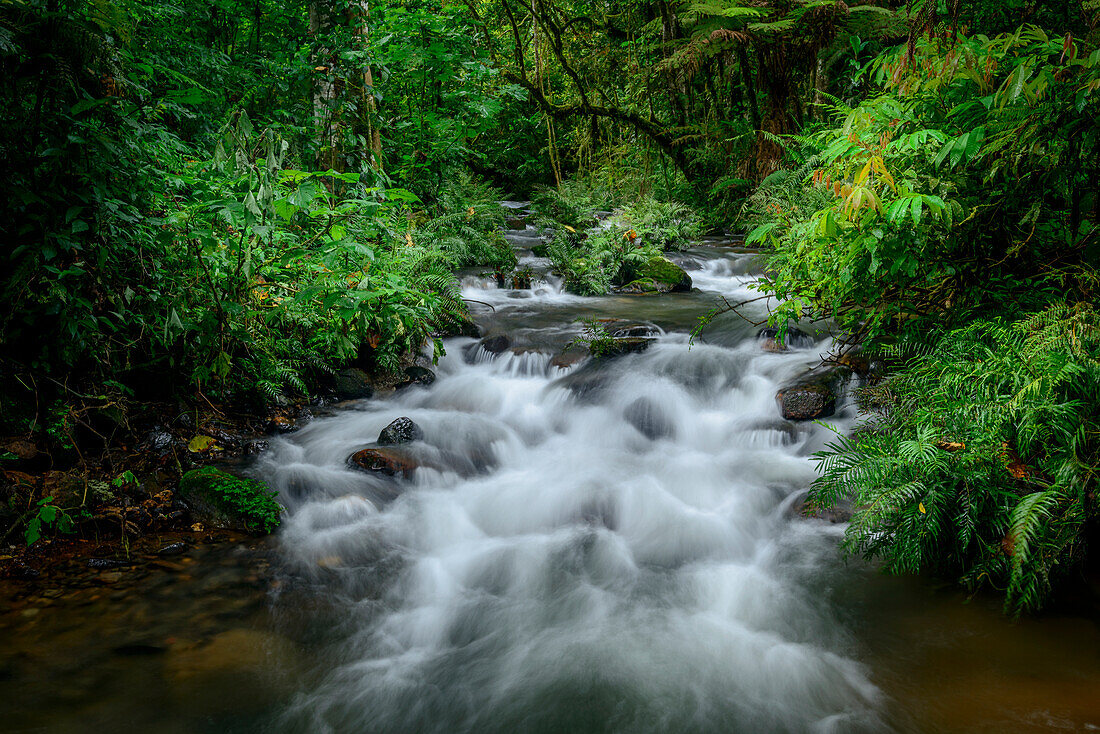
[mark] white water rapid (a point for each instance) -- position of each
(598, 547)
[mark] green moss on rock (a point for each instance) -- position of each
(229, 502)
(660, 275)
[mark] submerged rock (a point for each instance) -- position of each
(649, 419)
(401, 430)
(352, 384)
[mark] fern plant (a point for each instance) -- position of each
(985, 466)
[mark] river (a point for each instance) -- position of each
(601, 546)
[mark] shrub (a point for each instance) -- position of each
(986, 465)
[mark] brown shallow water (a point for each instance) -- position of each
(956, 665)
(209, 642)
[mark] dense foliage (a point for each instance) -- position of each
(986, 461)
(950, 218)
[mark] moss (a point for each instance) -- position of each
(230, 502)
(663, 271)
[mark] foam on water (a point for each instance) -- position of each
(598, 548)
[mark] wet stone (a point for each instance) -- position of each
(495, 344)
(418, 375)
(173, 549)
(807, 402)
(352, 384)
(402, 430)
(384, 460)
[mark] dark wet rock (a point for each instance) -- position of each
(158, 440)
(106, 564)
(516, 223)
(649, 419)
(807, 402)
(633, 329)
(800, 508)
(387, 460)
(173, 549)
(627, 345)
(281, 424)
(568, 358)
(401, 430)
(352, 384)
(133, 649)
(793, 339)
(495, 344)
(869, 369)
(226, 502)
(814, 396)
(659, 275)
(463, 326)
(418, 375)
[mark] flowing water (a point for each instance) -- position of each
(610, 546)
(601, 547)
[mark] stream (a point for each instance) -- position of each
(586, 546)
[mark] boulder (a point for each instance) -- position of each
(814, 396)
(659, 275)
(226, 502)
(401, 430)
(352, 384)
(387, 460)
(806, 402)
(418, 375)
(495, 344)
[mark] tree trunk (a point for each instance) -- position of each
(360, 10)
(321, 22)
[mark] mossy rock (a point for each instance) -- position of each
(228, 502)
(659, 275)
